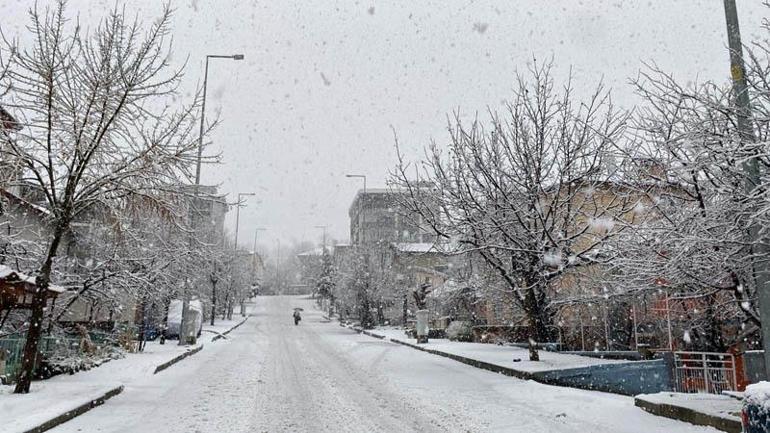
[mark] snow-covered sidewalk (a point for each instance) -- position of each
(719, 411)
(49, 399)
(510, 357)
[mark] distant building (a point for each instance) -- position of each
(24, 219)
(9, 170)
(377, 216)
(311, 262)
(207, 211)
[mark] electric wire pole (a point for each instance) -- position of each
(758, 252)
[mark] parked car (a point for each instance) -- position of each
(175, 317)
(755, 413)
(151, 332)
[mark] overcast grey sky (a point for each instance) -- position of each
(323, 81)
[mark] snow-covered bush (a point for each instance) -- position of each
(459, 330)
(72, 363)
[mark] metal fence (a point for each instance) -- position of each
(12, 348)
(49, 346)
(706, 372)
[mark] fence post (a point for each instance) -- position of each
(668, 359)
(705, 372)
(2, 361)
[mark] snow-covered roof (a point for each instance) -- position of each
(11, 275)
(415, 247)
(448, 288)
(374, 191)
(5, 271)
(7, 121)
(37, 208)
(316, 252)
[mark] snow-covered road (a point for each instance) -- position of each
(272, 376)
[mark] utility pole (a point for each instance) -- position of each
(750, 168)
(256, 232)
(324, 229)
(235, 247)
(184, 322)
(256, 255)
(238, 216)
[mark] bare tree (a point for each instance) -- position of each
(533, 192)
(100, 126)
(698, 246)
(325, 281)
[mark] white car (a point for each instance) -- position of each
(175, 317)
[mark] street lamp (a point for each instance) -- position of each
(361, 214)
(235, 247)
(184, 322)
(256, 232)
(203, 110)
(238, 215)
(254, 261)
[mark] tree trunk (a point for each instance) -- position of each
(227, 301)
(34, 332)
(29, 356)
(380, 313)
(164, 323)
(213, 301)
(539, 321)
(405, 309)
(143, 322)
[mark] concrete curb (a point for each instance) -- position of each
(473, 362)
(468, 361)
(83, 408)
(381, 337)
(219, 336)
(168, 364)
(688, 415)
(191, 352)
